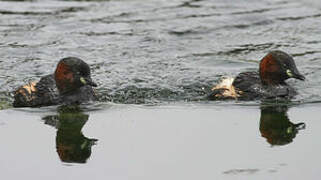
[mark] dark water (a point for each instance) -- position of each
(165, 56)
(157, 51)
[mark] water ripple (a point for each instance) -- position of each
(157, 51)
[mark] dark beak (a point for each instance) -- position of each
(294, 73)
(90, 82)
(299, 76)
(87, 81)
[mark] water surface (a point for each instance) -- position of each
(154, 62)
(157, 51)
(202, 141)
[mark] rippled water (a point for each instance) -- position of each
(157, 51)
(154, 52)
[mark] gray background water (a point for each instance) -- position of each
(157, 51)
(167, 54)
(184, 142)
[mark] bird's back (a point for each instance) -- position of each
(35, 94)
(248, 86)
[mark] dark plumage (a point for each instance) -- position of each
(269, 82)
(70, 84)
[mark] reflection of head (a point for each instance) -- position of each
(276, 127)
(72, 146)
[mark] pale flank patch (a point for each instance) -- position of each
(28, 90)
(30, 87)
(226, 85)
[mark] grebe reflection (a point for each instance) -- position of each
(71, 145)
(275, 125)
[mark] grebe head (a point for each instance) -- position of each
(72, 73)
(278, 66)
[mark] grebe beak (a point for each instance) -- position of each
(299, 76)
(295, 74)
(91, 83)
(87, 81)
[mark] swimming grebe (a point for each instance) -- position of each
(269, 82)
(70, 84)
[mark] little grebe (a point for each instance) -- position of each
(70, 84)
(269, 82)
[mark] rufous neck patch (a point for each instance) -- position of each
(268, 69)
(64, 77)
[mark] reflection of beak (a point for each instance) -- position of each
(87, 81)
(299, 126)
(295, 74)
